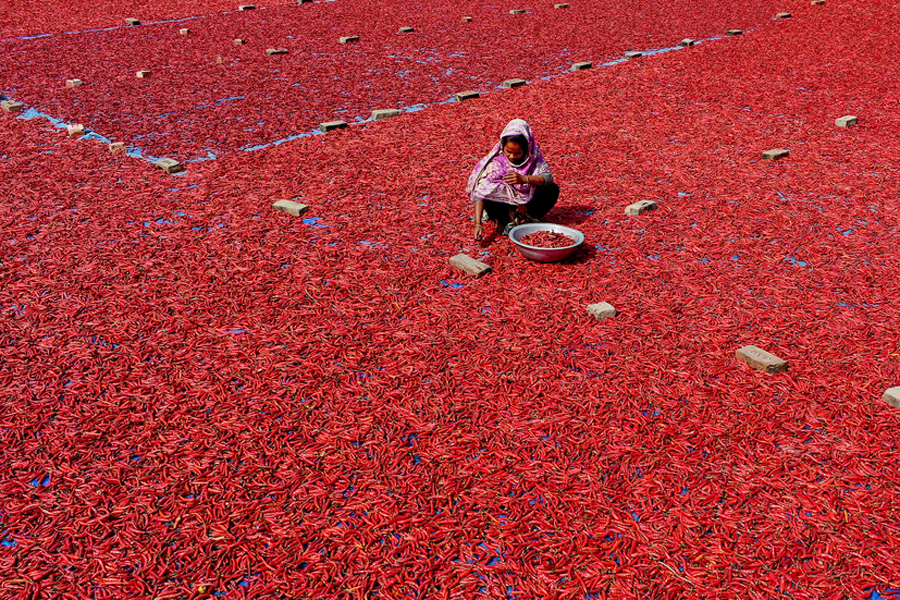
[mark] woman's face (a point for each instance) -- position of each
(514, 152)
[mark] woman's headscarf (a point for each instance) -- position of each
(486, 180)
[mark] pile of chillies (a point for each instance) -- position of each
(547, 239)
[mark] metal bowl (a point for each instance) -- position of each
(545, 254)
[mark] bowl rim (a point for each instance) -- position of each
(530, 247)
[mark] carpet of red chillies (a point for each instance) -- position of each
(208, 95)
(203, 397)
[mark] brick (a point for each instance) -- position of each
(761, 360)
(517, 11)
(601, 311)
(734, 32)
(581, 66)
(132, 21)
(514, 83)
(639, 208)
(332, 125)
(784, 15)
(405, 30)
(75, 130)
(470, 95)
(244, 7)
(142, 74)
(184, 31)
(169, 165)
(561, 5)
(686, 42)
(467, 19)
(295, 209)
(239, 42)
(73, 83)
(350, 39)
(384, 113)
(846, 121)
(630, 55)
(275, 51)
(12, 106)
(892, 397)
(469, 265)
(118, 148)
(775, 154)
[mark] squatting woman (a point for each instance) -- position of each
(513, 183)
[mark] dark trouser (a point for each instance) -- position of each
(545, 197)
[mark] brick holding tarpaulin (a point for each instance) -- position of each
(384, 113)
(12, 106)
(169, 165)
(601, 310)
(469, 95)
(640, 207)
(332, 125)
(761, 360)
(295, 209)
(469, 265)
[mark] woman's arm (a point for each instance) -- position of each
(479, 208)
(513, 178)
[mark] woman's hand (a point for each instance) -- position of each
(513, 178)
(479, 232)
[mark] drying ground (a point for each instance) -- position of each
(204, 397)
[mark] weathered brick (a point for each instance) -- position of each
(11, 106)
(75, 130)
(384, 113)
(469, 265)
(775, 154)
(118, 148)
(274, 51)
(640, 207)
(332, 125)
(581, 66)
(295, 209)
(601, 311)
(470, 95)
(73, 83)
(143, 74)
(846, 121)
(350, 39)
(514, 83)
(169, 165)
(687, 42)
(761, 360)
(892, 397)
